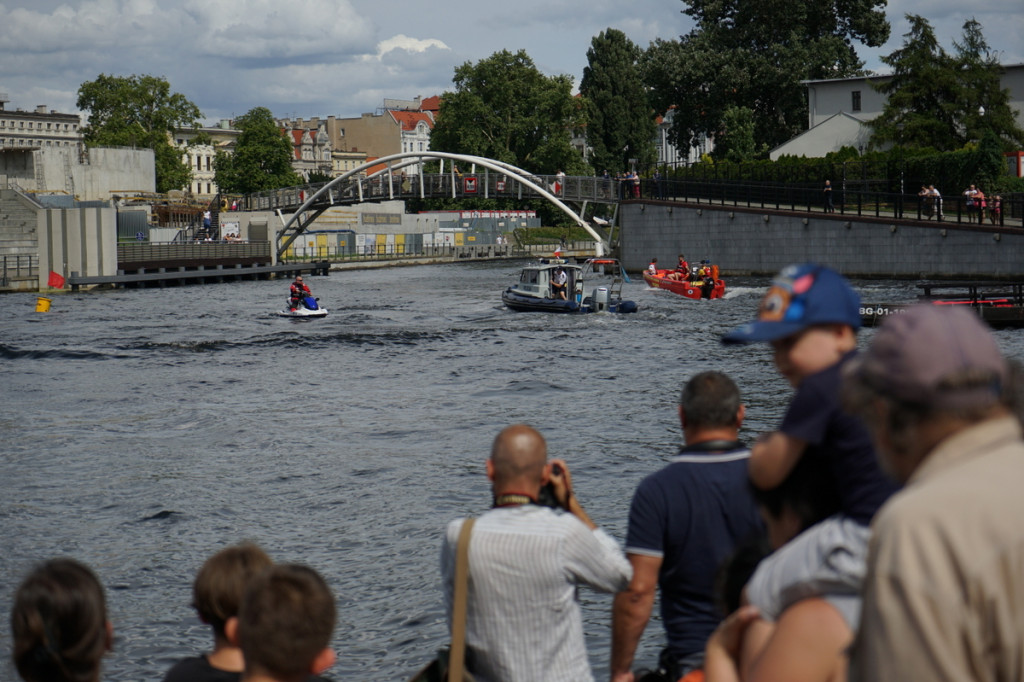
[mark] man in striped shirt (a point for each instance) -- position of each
(525, 564)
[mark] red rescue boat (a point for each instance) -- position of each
(684, 287)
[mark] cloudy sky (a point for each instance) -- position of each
(343, 57)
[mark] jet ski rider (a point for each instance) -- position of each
(298, 292)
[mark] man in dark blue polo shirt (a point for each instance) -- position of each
(685, 520)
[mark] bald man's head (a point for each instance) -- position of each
(519, 453)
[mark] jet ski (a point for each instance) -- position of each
(308, 307)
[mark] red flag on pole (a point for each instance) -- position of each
(56, 281)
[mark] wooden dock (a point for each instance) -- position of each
(202, 274)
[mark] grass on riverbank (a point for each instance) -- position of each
(549, 235)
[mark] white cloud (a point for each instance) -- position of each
(407, 44)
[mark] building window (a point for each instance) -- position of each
(856, 100)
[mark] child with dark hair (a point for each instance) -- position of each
(809, 639)
(216, 596)
(285, 624)
(59, 624)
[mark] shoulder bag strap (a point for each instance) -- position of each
(457, 657)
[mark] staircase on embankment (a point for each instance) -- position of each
(19, 242)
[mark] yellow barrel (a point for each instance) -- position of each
(43, 304)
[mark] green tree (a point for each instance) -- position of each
(934, 99)
(989, 155)
(504, 108)
(140, 111)
(980, 75)
(620, 123)
(922, 94)
(262, 159)
(736, 141)
(755, 55)
(316, 177)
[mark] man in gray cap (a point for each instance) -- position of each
(944, 593)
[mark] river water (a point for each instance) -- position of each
(145, 429)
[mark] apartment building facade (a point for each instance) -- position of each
(38, 129)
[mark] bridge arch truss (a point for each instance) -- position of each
(299, 207)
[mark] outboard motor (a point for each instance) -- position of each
(600, 300)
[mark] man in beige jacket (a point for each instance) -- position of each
(944, 593)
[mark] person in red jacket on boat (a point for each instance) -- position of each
(682, 271)
(298, 292)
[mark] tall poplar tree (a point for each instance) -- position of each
(262, 159)
(620, 122)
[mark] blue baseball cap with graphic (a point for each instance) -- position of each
(800, 296)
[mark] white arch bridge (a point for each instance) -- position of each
(299, 207)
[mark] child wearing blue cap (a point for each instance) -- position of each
(811, 315)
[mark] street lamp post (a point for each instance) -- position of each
(899, 127)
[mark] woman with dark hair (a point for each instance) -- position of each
(59, 624)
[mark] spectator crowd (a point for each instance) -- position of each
(874, 535)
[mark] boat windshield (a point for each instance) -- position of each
(529, 276)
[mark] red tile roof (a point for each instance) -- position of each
(409, 119)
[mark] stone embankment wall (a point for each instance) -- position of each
(762, 242)
(96, 175)
(64, 240)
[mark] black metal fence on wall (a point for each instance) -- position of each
(847, 198)
(18, 266)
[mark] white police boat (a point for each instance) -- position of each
(308, 307)
(596, 287)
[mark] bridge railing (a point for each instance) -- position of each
(433, 185)
(378, 252)
(854, 198)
